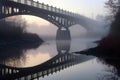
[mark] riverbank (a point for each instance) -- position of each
(26, 38)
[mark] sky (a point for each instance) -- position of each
(89, 8)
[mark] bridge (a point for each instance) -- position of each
(62, 19)
(59, 17)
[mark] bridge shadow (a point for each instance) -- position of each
(61, 61)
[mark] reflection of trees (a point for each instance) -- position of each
(109, 57)
(15, 55)
(112, 72)
(12, 56)
(14, 41)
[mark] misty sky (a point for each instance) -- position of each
(86, 7)
(89, 8)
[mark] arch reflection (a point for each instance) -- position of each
(61, 61)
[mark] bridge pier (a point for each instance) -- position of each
(63, 34)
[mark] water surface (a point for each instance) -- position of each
(89, 69)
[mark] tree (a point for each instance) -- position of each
(114, 16)
(112, 7)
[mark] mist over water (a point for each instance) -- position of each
(47, 31)
(81, 39)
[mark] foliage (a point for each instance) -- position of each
(14, 29)
(114, 16)
(112, 6)
(9, 29)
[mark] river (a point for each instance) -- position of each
(89, 69)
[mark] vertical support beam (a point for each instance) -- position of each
(12, 71)
(37, 74)
(59, 10)
(37, 4)
(55, 9)
(0, 71)
(119, 6)
(66, 23)
(12, 10)
(25, 1)
(62, 21)
(59, 19)
(8, 10)
(32, 4)
(51, 8)
(32, 76)
(42, 5)
(0, 10)
(26, 78)
(4, 9)
(47, 7)
(19, 1)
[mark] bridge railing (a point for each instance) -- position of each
(45, 7)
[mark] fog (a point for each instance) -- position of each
(47, 30)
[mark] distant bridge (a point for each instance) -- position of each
(59, 17)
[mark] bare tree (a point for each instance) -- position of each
(114, 16)
(113, 7)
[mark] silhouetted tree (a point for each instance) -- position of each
(14, 29)
(112, 6)
(114, 17)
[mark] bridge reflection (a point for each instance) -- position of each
(57, 63)
(63, 40)
(61, 61)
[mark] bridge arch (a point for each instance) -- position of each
(57, 16)
(12, 9)
(47, 19)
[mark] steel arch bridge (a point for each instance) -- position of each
(59, 17)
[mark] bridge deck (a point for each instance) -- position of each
(45, 7)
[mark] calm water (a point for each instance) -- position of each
(46, 51)
(89, 69)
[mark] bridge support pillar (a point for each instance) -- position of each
(63, 34)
